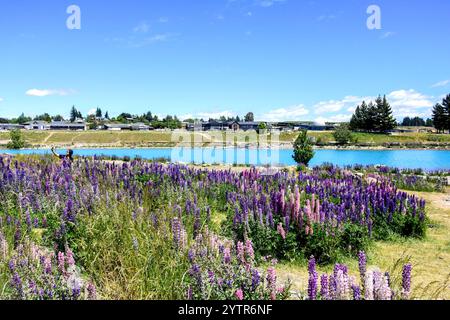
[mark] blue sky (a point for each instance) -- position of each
(281, 59)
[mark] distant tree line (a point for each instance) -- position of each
(417, 122)
(373, 117)
(441, 115)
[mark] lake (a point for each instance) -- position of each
(425, 159)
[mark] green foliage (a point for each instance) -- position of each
(441, 115)
(373, 117)
(249, 117)
(303, 149)
(343, 135)
(17, 141)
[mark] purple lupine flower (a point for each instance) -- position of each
(362, 263)
(324, 287)
(312, 281)
(227, 256)
(406, 281)
(256, 279)
(92, 291)
(356, 292)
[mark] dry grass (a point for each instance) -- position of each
(430, 257)
(167, 138)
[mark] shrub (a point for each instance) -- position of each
(17, 141)
(303, 150)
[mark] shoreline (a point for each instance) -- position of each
(212, 146)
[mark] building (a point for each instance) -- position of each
(69, 126)
(214, 125)
(37, 125)
(10, 126)
(127, 127)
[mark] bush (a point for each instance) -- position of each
(303, 150)
(343, 135)
(17, 141)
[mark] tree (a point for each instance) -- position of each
(22, 119)
(58, 118)
(73, 114)
(17, 141)
(440, 120)
(303, 149)
(43, 117)
(98, 113)
(342, 134)
(446, 105)
(107, 115)
(249, 117)
(384, 120)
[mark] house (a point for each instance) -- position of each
(37, 125)
(71, 126)
(10, 126)
(127, 127)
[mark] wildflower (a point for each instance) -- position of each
(356, 292)
(369, 286)
(239, 294)
(362, 262)
(92, 291)
(312, 282)
(406, 281)
(227, 256)
(271, 283)
(249, 250)
(324, 287)
(281, 231)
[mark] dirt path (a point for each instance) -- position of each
(430, 257)
(48, 137)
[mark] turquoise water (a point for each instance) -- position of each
(425, 159)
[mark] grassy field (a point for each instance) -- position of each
(167, 139)
(430, 257)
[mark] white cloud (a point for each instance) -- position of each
(441, 84)
(48, 92)
(349, 103)
(163, 20)
(143, 27)
(411, 99)
(1, 99)
(92, 112)
(387, 34)
(268, 3)
(214, 115)
(151, 40)
(285, 114)
(326, 17)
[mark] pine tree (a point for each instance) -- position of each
(107, 115)
(440, 120)
(446, 106)
(303, 149)
(98, 113)
(73, 114)
(384, 119)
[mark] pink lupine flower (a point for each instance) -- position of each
(281, 231)
(272, 283)
(239, 294)
(249, 250)
(69, 258)
(241, 252)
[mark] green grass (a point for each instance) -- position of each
(167, 138)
